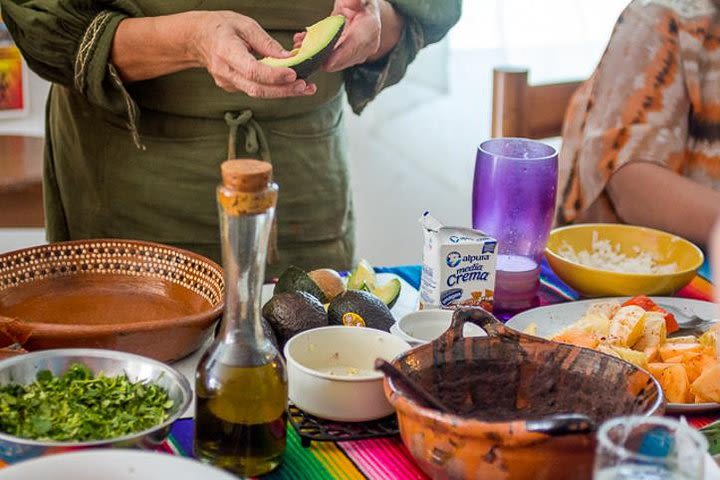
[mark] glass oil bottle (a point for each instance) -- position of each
(241, 381)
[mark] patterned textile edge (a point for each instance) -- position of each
(321, 461)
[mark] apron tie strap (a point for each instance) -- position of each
(255, 140)
(255, 143)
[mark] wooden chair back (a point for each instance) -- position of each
(530, 111)
(21, 164)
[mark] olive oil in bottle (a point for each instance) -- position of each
(241, 382)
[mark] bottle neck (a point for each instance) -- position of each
(244, 238)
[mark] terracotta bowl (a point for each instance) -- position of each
(522, 407)
(138, 297)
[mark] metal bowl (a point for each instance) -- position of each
(24, 368)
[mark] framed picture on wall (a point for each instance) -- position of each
(14, 91)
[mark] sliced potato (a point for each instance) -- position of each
(652, 354)
(608, 350)
(654, 331)
(603, 309)
(674, 382)
(627, 326)
(684, 339)
(707, 385)
(597, 325)
(696, 364)
(632, 356)
(656, 368)
(669, 350)
(577, 337)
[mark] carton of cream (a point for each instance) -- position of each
(458, 266)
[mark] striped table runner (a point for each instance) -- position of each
(388, 459)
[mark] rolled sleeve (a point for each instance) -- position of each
(69, 42)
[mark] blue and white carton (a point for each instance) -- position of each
(458, 266)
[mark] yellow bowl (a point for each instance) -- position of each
(595, 282)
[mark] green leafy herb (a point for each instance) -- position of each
(78, 406)
(712, 432)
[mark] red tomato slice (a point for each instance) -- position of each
(648, 305)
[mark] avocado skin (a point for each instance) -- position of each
(269, 333)
(311, 65)
(375, 313)
(295, 279)
(290, 313)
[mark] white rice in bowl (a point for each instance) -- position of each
(606, 256)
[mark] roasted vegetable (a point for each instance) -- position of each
(687, 367)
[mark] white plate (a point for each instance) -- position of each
(113, 465)
(553, 318)
(407, 302)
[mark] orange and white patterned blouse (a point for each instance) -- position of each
(654, 97)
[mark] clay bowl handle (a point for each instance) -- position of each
(562, 424)
(480, 317)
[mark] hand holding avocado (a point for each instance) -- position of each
(224, 43)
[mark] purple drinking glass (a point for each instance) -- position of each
(514, 201)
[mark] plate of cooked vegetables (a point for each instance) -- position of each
(677, 340)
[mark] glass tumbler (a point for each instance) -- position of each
(514, 201)
(649, 448)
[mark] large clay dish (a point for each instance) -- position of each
(138, 297)
(523, 408)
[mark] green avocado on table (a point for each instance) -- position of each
(290, 313)
(360, 308)
(298, 299)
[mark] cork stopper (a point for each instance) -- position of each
(249, 176)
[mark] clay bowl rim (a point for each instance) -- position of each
(42, 329)
(468, 426)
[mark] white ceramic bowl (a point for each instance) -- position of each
(331, 372)
(425, 326)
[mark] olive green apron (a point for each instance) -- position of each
(98, 184)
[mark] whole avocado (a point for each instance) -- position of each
(290, 313)
(371, 310)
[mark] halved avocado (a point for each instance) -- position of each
(295, 279)
(315, 49)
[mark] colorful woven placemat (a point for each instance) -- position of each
(387, 458)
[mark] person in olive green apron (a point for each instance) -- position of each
(140, 159)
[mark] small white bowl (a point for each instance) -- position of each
(331, 372)
(425, 326)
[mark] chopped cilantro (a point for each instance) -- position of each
(78, 406)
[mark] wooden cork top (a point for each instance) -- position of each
(246, 175)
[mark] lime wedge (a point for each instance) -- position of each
(362, 276)
(389, 292)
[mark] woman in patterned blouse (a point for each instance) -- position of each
(641, 142)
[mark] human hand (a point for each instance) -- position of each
(372, 30)
(360, 38)
(224, 43)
